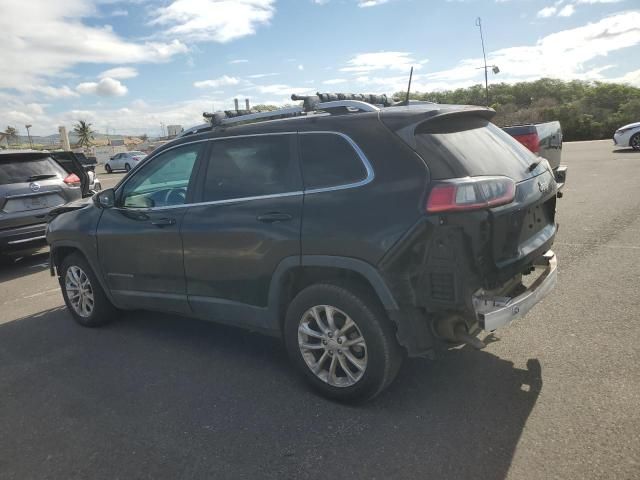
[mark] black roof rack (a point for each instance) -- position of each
(321, 103)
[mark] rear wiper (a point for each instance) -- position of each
(41, 177)
(533, 166)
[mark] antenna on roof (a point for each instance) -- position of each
(409, 87)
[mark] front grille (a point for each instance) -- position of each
(443, 287)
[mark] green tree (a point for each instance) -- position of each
(84, 132)
(11, 133)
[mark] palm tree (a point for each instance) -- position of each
(144, 137)
(11, 134)
(84, 132)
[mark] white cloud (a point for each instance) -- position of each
(119, 73)
(301, 67)
(547, 12)
(222, 81)
(367, 62)
(213, 20)
(263, 75)
(239, 60)
(51, 92)
(44, 38)
(370, 3)
(106, 87)
(567, 11)
(334, 81)
(119, 13)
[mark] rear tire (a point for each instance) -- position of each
(83, 294)
(323, 348)
(127, 167)
(634, 142)
(107, 168)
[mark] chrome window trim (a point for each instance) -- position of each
(370, 174)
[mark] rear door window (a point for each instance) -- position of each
(329, 160)
(472, 146)
(250, 167)
(14, 169)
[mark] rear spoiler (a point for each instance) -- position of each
(404, 121)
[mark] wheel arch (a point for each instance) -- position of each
(293, 274)
(62, 249)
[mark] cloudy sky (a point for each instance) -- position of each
(130, 65)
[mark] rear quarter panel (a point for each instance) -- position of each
(364, 222)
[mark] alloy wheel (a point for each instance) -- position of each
(332, 346)
(79, 291)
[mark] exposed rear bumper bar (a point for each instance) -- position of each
(561, 176)
(496, 312)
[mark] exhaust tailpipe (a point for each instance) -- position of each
(454, 330)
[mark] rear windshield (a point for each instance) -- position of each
(14, 169)
(471, 146)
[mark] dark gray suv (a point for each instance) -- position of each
(359, 234)
(31, 185)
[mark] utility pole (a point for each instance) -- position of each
(29, 135)
(484, 55)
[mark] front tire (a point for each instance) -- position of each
(634, 142)
(107, 168)
(83, 293)
(339, 337)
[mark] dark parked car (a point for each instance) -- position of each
(31, 185)
(545, 140)
(359, 234)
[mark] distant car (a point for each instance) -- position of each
(124, 161)
(628, 136)
(545, 140)
(31, 185)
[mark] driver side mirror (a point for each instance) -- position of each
(105, 198)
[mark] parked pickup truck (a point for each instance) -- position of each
(545, 140)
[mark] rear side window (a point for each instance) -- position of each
(250, 167)
(471, 146)
(19, 170)
(329, 160)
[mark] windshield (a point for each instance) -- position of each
(472, 146)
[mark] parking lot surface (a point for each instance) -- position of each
(556, 395)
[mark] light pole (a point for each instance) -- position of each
(29, 135)
(494, 68)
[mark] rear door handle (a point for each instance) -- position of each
(163, 222)
(274, 217)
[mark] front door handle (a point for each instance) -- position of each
(273, 217)
(163, 222)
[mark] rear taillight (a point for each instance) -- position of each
(471, 193)
(72, 180)
(530, 140)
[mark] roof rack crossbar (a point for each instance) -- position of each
(311, 105)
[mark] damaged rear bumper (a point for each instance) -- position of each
(497, 311)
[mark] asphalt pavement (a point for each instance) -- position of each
(556, 395)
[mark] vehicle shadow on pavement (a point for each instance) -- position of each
(160, 396)
(16, 266)
(625, 150)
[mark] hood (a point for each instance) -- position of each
(631, 125)
(69, 207)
